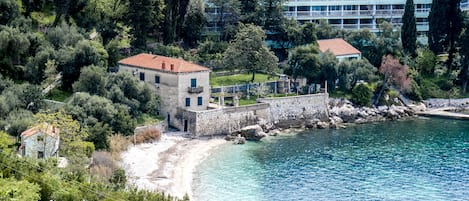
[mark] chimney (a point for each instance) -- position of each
(163, 66)
(172, 67)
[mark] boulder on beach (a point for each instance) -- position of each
(253, 132)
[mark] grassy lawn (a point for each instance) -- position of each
(147, 119)
(58, 95)
(243, 78)
(245, 101)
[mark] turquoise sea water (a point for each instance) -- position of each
(422, 159)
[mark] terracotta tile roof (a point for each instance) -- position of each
(337, 46)
(50, 130)
(157, 62)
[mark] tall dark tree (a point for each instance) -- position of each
(409, 29)
(174, 13)
(194, 22)
(228, 17)
(455, 20)
(67, 9)
(271, 14)
(248, 11)
(8, 11)
(438, 23)
(464, 73)
(143, 15)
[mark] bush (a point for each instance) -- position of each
(415, 93)
(361, 95)
(147, 135)
(118, 178)
(117, 144)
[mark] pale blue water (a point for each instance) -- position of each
(408, 160)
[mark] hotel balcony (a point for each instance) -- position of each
(343, 13)
(195, 90)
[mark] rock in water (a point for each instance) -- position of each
(239, 140)
(253, 132)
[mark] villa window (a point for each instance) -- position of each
(40, 154)
(193, 82)
(142, 76)
(40, 138)
(157, 79)
(188, 102)
(199, 100)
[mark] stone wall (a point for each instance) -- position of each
(161, 126)
(223, 121)
(297, 108)
(283, 110)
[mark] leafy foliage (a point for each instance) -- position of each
(361, 95)
(249, 51)
(305, 61)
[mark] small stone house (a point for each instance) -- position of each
(340, 48)
(40, 141)
(181, 85)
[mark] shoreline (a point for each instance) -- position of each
(167, 165)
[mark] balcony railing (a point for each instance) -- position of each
(195, 90)
(344, 13)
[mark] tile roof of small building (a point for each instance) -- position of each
(162, 63)
(45, 128)
(337, 46)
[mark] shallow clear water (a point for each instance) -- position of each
(422, 159)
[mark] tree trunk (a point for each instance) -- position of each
(464, 86)
(380, 93)
(253, 76)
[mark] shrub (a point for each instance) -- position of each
(415, 93)
(147, 135)
(361, 95)
(118, 178)
(118, 143)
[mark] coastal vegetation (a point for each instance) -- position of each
(74, 46)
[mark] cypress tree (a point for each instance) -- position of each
(438, 25)
(454, 29)
(409, 29)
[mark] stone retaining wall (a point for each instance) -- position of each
(223, 121)
(273, 110)
(297, 108)
(161, 126)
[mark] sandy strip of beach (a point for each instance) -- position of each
(167, 165)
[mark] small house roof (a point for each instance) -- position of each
(45, 128)
(337, 46)
(162, 63)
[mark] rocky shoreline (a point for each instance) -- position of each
(341, 113)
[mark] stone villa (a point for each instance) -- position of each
(340, 48)
(181, 85)
(40, 141)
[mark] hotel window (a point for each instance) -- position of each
(188, 102)
(142, 76)
(193, 82)
(334, 8)
(350, 7)
(157, 79)
(199, 100)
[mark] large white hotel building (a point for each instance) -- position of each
(353, 14)
(359, 14)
